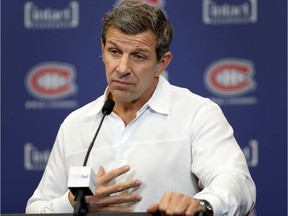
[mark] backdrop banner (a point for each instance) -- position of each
(231, 51)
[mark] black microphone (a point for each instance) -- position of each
(82, 180)
(106, 110)
(108, 107)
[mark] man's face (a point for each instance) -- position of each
(131, 65)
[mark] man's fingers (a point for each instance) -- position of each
(153, 208)
(119, 187)
(112, 201)
(116, 188)
(195, 210)
(109, 176)
(176, 204)
(111, 196)
(165, 201)
(101, 172)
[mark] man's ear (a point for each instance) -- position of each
(102, 44)
(102, 47)
(163, 63)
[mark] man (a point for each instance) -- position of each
(162, 149)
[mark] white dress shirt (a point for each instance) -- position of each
(176, 138)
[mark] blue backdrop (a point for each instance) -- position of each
(232, 51)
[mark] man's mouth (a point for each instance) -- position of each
(121, 84)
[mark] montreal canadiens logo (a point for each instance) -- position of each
(51, 81)
(230, 77)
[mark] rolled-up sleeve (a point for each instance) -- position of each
(220, 165)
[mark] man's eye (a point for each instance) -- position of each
(139, 57)
(114, 51)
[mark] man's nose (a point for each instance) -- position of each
(124, 65)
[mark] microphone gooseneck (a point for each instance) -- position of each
(81, 206)
(106, 110)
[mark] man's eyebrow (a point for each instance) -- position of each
(112, 43)
(137, 49)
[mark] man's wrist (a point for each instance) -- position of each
(207, 206)
(71, 199)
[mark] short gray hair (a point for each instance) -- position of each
(133, 17)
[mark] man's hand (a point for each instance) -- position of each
(108, 196)
(176, 204)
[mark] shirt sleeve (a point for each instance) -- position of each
(51, 195)
(220, 165)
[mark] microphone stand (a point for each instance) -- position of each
(80, 203)
(81, 206)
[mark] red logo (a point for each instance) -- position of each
(51, 80)
(230, 77)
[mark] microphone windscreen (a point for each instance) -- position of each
(82, 178)
(108, 106)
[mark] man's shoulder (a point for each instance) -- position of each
(190, 97)
(87, 110)
(184, 97)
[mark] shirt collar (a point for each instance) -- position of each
(159, 102)
(96, 106)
